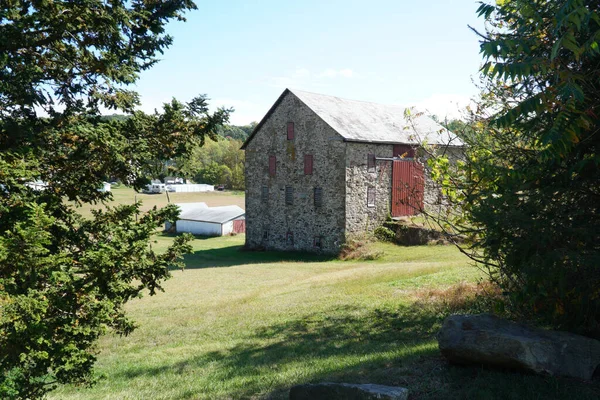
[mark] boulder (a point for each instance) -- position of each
(347, 391)
(488, 340)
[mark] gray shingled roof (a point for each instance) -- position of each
(360, 121)
(218, 215)
(183, 207)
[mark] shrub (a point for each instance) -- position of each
(528, 191)
(384, 234)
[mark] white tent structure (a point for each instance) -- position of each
(199, 219)
(190, 188)
(104, 188)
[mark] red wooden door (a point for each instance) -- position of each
(239, 226)
(407, 188)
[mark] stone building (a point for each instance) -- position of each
(320, 167)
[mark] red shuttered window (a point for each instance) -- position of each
(272, 165)
(290, 131)
(308, 164)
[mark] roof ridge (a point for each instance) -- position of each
(364, 121)
(345, 99)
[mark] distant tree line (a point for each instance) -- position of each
(215, 162)
(219, 162)
(236, 132)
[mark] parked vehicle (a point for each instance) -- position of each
(155, 188)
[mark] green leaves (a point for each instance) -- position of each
(532, 183)
(64, 280)
(56, 51)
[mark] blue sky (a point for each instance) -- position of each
(244, 54)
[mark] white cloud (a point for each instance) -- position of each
(334, 73)
(301, 73)
(443, 105)
(292, 79)
(328, 73)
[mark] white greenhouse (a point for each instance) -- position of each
(199, 219)
(190, 188)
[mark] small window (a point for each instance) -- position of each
(308, 164)
(272, 165)
(371, 163)
(289, 195)
(265, 193)
(371, 197)
(318, 197)
(290, 131)
(289, 238)
(318, 242)
(265, 235)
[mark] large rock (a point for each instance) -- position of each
(487, 340)
(347, 391)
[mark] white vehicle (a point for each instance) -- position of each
(155, 188)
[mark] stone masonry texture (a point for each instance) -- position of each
(273, 224)
(339, 168)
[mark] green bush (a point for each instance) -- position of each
(384, 234)
(529, 189)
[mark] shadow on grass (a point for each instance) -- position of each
(388, 347)
(235, 255)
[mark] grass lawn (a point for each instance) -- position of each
(125, 195)
(248, 325)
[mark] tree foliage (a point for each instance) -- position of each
(64, 279)
(530, 186)
(218, 162)
(236, 132)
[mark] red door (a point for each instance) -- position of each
(407, 188)
(239, 226)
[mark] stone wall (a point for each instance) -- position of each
(359, 216)
(434, 202)
(340, 169)
(269, 223)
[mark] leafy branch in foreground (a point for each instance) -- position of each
(528, 193)
(64, 279)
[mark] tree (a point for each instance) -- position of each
(216, 162)
(214, 174)
(530, 187)
(235, 132)
(64, 279)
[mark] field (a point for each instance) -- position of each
(125, 195)
(248, 325)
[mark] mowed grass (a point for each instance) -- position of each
(125, 195)
(249, 325)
